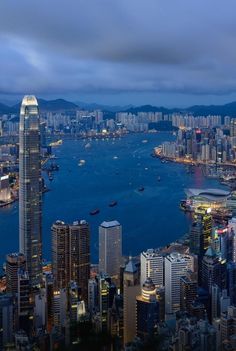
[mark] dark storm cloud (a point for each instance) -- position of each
(108, 46)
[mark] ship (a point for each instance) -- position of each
(81, 162)
(113, 203)
(94, 212)
(56, 143)
(50, 176)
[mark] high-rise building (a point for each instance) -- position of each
(188, 291)
(147, 310)
(71, 255)
(93, 306)
(152, 266)
(14, 263)
(213, 271)
(79, 256)
(60, 254)
(60, 308)
(110, 248)
(6, 320)
(176, 266)
(200, 234)
(231, 281)
(228, 324)
(107, 292)
(73, 301)
(40, 309)
(48, 283)
(233, 127)
(131, 289)
(23, 301)
(30, 189)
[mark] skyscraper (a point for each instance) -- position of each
(14, 263)
(130, 291)
(110, 248)
(30, 192)
(147, 310)
(213, 271)
(6, 320)
(79, 255)
(152, 266)
(60, 254)
(176, 266)
(200, 234)
(71, 255)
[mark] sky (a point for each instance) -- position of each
(118, 52)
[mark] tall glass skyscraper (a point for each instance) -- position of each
(30, 189)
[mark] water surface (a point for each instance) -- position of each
(113, 170)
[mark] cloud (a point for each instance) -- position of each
(107, 47)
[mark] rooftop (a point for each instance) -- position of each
(131, 267)
(110, 224)
(29, 100)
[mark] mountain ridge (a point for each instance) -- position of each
(58, 105)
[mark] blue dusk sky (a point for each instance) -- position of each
(161, 52)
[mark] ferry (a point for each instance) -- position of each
(94, 212)
(113, 203)
(81, 162)
(56, 143)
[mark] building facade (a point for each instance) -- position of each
(110, 248)
(30, 189)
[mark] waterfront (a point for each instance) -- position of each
(113, 171)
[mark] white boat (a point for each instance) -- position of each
(81, 162)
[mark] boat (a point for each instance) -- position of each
(50, 176)
(141, 188)
(94, 212)
(144, 141)
(113, 203)
(81, 162)
(56, 143)
(115, 157)
(87, 145)
(159, 178)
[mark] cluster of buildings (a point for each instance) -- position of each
(205, 145)
(183, 295)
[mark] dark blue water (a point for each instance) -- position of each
(150, 218)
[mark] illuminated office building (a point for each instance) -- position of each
(30, 194)
(14, 263)
(110, 248)
(71, 255)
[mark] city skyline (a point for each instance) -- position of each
(118, 175)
